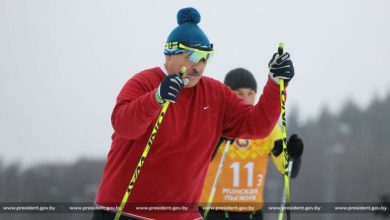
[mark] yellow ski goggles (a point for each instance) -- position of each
(196, 54)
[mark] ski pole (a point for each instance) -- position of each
(216, 179)
(284, 134)
(144, 154)
(290, 164)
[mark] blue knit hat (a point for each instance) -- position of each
(188, 31)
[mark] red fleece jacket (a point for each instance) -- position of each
(175, 168)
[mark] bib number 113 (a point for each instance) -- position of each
(236, 173)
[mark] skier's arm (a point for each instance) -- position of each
(252, 122)
(139, 102)
(135, 109)
(258, 121)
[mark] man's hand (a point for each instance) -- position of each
(294, 151)
(295, 146)
(281, 67)
(170, 87)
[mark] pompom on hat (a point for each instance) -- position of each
(188, 31)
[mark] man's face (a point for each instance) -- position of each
(246, 94)
(194, 70)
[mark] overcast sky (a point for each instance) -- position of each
(62, 63)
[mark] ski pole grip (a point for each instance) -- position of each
(280, 48)
(182, 72)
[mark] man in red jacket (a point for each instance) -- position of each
(170, 182)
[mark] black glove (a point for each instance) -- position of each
(296, 166)
(295, 146)
(281, 67)
(169, 88)
(294, 150)
(278, 147)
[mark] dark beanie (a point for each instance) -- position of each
(240, 78)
